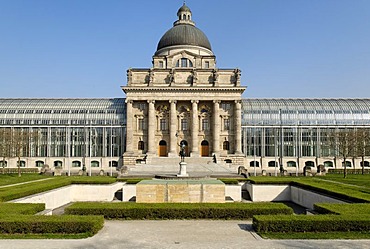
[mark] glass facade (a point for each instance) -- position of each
(63, 128)
(299, 128)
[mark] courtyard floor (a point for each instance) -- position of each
(179, 234)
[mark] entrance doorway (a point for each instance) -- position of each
(186, 147)
(204, 151)
(162, 148)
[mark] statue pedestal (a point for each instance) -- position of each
(182, 172)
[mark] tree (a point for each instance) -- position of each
(362, 145)
(344, 143)
(5, 146)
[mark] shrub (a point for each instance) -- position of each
(22, 224)
(177, 210)
(314, 223)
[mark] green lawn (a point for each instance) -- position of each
(8, 179)
(358, 180)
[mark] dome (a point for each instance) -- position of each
(184, 34)
(184, 8)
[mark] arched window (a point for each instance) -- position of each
(226, 145)
(366, 164)
(272, 164)
(310, 164)
(328, 164)
(22, 164)
(94, 164)
(184, 17)
(58, 163)
(251, 164)
(140, 145)
(115, 164)
(184, 62)
(39, 163)
(75, 164)
(291, 164)
(348, 164)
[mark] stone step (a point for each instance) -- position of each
(174, 167)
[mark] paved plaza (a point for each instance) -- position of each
(179, 234)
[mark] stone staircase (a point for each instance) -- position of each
(166, 165)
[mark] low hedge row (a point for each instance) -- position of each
(176, 210)
(349, 171)
(21, 208)
(311, 223)
(15, 170)
(65, 224)
(343, 209)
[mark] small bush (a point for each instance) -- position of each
(22, 224)
(314, 223)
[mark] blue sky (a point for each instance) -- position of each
(285, 48)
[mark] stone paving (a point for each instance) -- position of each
(179, 234)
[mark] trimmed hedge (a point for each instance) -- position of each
(92, 180)
(230, 181)
(15, 170)
(21, 208)
(132, 180)
(314, 223)
(343, 209)
(349, 171)
(137, 211)
(26, 224)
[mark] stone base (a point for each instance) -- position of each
(180, 191)
(182, 172)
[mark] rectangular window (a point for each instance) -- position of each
(184, 124)
(206, 64)
(226, 106)
(205, 125)
(163, 124)
(184, 62)
(142, 106)
(161, 64)
(141, 124)
(226, 124)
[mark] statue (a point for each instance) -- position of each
(195, 77)
(182, 151)
(237, 74)
(129, 76)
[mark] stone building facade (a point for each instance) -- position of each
(183, 98)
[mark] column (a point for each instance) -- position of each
(129, 127)
(173, 130)
(151, 127)
(216, 126)
(238, 127)
(194, 129)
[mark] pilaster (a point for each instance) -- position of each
(216, 126)
(151, 127)
(194, 129)
(173, 120)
